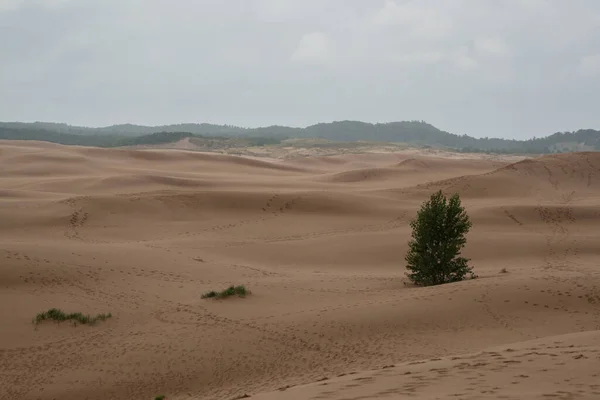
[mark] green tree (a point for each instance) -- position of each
(438, 236)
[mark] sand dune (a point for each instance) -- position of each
(557, 176)
(413, 171)
(320, 242)
(560, 367)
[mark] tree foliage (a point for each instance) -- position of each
(438, 236)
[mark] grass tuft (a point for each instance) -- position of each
(504, 271)
(161, 397)
(239, 291)
(58, 315)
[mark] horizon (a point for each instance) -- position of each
(289, 126)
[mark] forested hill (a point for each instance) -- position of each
(413, 132)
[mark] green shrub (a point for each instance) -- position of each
(438, 236)
(58, 315)
(239, 291)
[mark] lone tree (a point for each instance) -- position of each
(438, 236)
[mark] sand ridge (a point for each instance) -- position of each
(320, 242)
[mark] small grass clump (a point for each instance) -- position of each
(504, 271)
(58, 315)
(239, 291)
(161, 397)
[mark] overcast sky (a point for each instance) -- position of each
(508, 68)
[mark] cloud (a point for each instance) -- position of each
(590, 65)
(313, 49)
(416, 18)
(8, 5)
(418, 59)
(464, 60)
(261, 62)
(494, 46)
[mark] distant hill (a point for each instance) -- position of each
(417, 133)
(116, 140)
(34, 133)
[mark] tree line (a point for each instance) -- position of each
(416, 133)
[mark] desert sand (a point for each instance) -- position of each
(320, 242)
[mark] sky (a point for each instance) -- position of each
(497, 68)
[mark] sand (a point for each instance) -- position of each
(320, 242)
